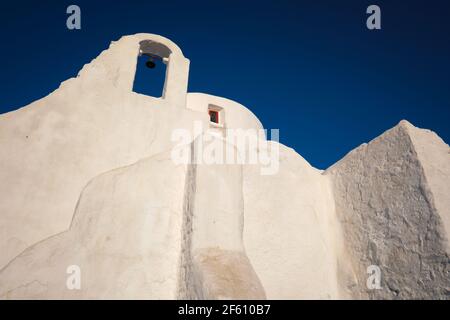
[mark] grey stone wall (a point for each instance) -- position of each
(389, 219)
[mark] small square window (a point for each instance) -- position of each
(214, 116)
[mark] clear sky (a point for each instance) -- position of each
(309, 68)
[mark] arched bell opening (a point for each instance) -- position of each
(152, 69)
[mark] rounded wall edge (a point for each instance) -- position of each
(157, 38)
(177, 74)
(236, 115)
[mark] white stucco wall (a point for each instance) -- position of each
(236, 115)
(125, 238)
(290, 233)
(146, 227)
(93, 123)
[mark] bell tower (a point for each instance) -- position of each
(177, 67)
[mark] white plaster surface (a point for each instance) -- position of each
(290, 232)
(124, 237)
(93, 123)
(87, 179)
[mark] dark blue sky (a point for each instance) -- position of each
(310, 68)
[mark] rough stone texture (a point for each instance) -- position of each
(389, 214)
(434, 156)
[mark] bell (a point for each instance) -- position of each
(150, 64)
